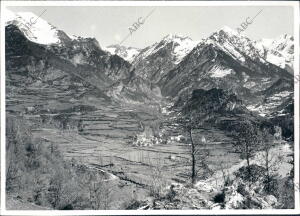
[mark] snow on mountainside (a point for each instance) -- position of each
(158, 59)
(181, 46)
(127, 53)
(33, 27)
(175, 63)
(270, 103)
(230, 61)
(236, 45)
(279, 51)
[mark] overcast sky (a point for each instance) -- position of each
(110, 25)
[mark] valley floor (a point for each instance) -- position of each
(106, 145)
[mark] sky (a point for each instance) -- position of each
(111, 25)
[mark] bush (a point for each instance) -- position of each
(219, 198)
(257, 172)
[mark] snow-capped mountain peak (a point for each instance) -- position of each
(284, 41)
(236, 45)
(175, 37)
(181, 46)
(228, 30)
(127, 53)
(33, 27)
(278, 51)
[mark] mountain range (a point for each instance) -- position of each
(72, 69)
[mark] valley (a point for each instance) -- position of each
(180, 124)
(106, 142)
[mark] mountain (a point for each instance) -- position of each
(236, 45)
(56, 73)
(35, 28)
(135, 90)
(213, 101)
(224, 110)
(167, 69)
(127, 53)
(224, 60)
(279, 51)
(154, 61)
(216, 108)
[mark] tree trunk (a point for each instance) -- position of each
(193, 158)
(267, 170)
(248, 165)
(248, 160)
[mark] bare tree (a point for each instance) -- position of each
(271, 161)
(247, 141)
(266, 149)
(191, 121)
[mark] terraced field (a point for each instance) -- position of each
(100, 135)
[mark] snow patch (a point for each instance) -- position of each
(127, 53)
(271, 103)
(218, 72)
(34, 28)
(278, 51)
(277, 60)
(181, 47)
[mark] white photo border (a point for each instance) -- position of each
(294, 4)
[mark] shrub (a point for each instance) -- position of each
(219, 198)
(257, 172)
